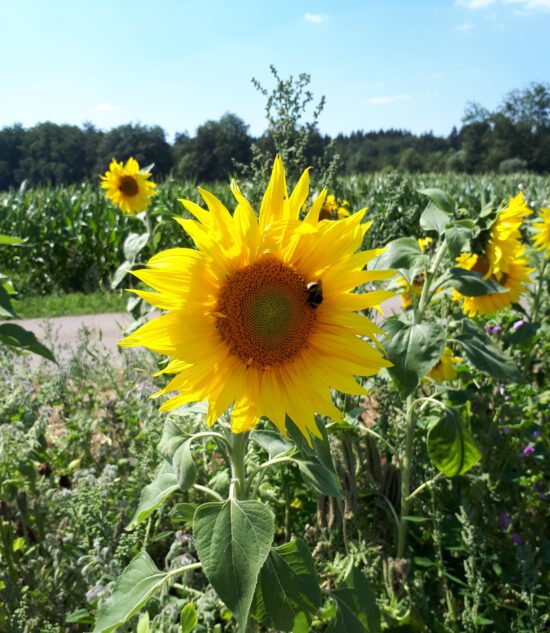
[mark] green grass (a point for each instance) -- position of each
(72, 304)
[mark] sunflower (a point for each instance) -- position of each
(243, 326)
(334, 208)
(541, 239)
(444, 370)
(127, 186)
(505, 237)
(515, 279)
(416, 287)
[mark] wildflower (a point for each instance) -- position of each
(541, 239)
(444, 370)
(242, 326)
(528, 450)
(517, 325)
(127, 186)
(516, 539)
(505, 520)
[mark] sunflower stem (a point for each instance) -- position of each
(237, 454)
(406, 466)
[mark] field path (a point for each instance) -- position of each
(62, 333)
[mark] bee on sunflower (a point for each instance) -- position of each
(498, 255)
(127, 186)
(241, 328)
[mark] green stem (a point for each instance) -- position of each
(208, 491)
(426, 484)
(427, 293)
(406, 464)
(182, 570)
(538, 291)
(237, 454)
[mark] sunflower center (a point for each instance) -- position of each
(128, 186)
(263, 313)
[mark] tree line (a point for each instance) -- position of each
(514, 137)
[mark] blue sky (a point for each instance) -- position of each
(397, 63)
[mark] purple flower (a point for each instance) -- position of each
(516, 539)
(528, 450)
(506, 430)
(501, 389)
(504, 520)
(497, 329)
(518, 324)
(537, 434)
(489, 329)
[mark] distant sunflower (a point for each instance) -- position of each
(515, 279)
(444, 370)
(541, 239)
(334, 209)
(243, 326)
(505, 237)
(416, 287)
(127, 186)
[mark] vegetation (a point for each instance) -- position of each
(69, 304)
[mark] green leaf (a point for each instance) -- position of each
(189, 618)
(440, 199)
(154, 494)
(458, 235)
(451, 446)
(8, 240)
(172, 438)
(522, 334)
(119, 274)
(486, 356)
(183, 512)
(233, 540)
(133, 245)
(413, 349)
(434, 219)
(471, 284)
(6, 308)
(346, 609)
(287, 586)
(272, 442)
(366, 600)
(401, 254)
(184, 465)
(16, 336)
(317, 475)
(133, 588)
(143, 624)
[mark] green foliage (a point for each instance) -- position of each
(450, 445)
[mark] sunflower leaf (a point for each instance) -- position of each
(346, 612)
(434, 219)
(322, 479)
(16, 336)
(451, 447)
(440, 200)
(133, 245)
(471, 284)
(401, 254)
(233, 539)
(486, 356)
(413, 349)
(155, 493)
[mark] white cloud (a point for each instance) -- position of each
(531, 5)
(467, 26)
(474, 4)
(385, 100)
(316, 18)
(106, 107)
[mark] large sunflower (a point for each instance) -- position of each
(127, 186)
(262, 314)
(541, 239)
(515, 279)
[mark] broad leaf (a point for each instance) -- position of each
(119, 275)
(133, 245)
(184, 465)
(346, 610)
(366, 600)
(486, 356)
(6, 308)
(401, 254)
(317, 475)
(133, 588)
(440, 199)
(189, 618)
(287, 586)
(451, 446)
(154, 495)
(16, 336)
(233, 540)
(458, 235)
(172, 438)
(271, 441)
(413, 349)
(471, 284)
(8, 240)
(434, 219)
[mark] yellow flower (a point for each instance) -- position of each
(242, 325)
(505, 238)
(541, 239)
(127, 187)
(515, 279)
(334, 208)
(444, 370)
(424, 242)
(417, 285)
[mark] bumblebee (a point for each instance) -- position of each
(314, 293)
